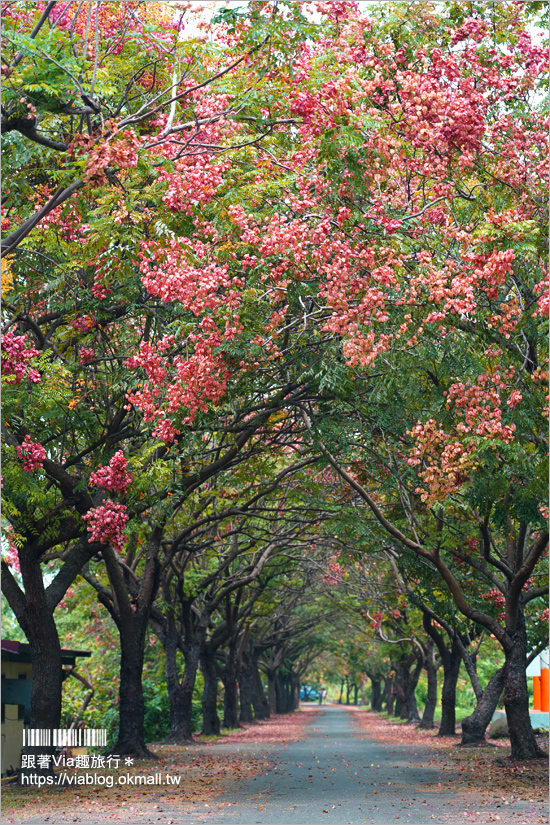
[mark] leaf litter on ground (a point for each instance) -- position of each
(481, 776)
(207, 768)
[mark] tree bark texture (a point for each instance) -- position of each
(516, 695)
(231, 693)
(389, 694)
(475, 725)
(210, 719)
(376, 693)
(451, 667)
(130, 738)
(260, 702)
(272, 694)
(246, 715)
(427, 722)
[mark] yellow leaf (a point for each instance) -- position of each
(7, 274)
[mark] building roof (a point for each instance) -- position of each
(21, 652)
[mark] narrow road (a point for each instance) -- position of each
(335, 776)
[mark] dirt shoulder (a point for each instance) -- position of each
(480, 777)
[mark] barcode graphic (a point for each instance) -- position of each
(64, 737)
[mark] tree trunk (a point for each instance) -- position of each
(47, 679)
(427, 722)
(295, 691)
(257, 695)
(272, 693)
(35, 617)
(355, 694)
(411, 706)
(244, 691)
(180, 694)
(288, 693)
(131, 616)
(516, 696)
(231, 693)
(405, 685)
(45, 650)
(389, 694)
(181, 708)
(210, 718)
(376, 693)
(400, 689)
(283, 692)
(130, 738)
(278, 693)
(451, 667)
(475, 725)
(450, 659)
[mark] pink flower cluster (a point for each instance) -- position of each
(377, 618)
(474, 28)
(67, 221)
(200, 378)
(10, 554)
(186, 272)
(335, 572)
(113, 476)
(83, 323)
(495, 597)
(31, 454)
(117, 150)
(86, 354)
(446, 462)
(16, 357)
(542, 303)
(479, 405)
(99, 289)
(194, 183)
(106, 524)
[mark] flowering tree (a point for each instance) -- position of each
(101, 86)
(79, 324)
(413, 241)
(349, 223)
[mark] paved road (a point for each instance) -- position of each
(338, 777)
(335, 775)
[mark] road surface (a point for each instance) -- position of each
(336, 776)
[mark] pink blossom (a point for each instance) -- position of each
(86, 354)
(10, 554)
(113, 477)
(106, 524)
(31, 454)
(16, 358)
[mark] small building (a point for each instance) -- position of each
(16, 697)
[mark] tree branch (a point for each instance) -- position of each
(11, 241)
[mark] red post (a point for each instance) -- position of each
(536, 692)
(544, 689)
